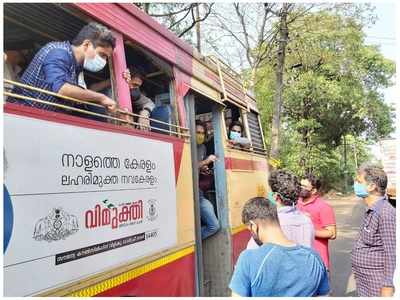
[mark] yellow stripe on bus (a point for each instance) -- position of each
(132, 274)
(239, 229)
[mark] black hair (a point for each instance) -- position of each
(259, 208)
(314, 180)
(98, 34)
(236, 123)
(376, 175)
(137, 71)
(286, 184)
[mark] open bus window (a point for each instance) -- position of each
(32, 27)
(151, 88)
(235, 128)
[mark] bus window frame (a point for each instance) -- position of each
(243, 117)
(167, 69)
(257, 150)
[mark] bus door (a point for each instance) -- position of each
(214, 251)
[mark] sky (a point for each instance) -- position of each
(383, 33)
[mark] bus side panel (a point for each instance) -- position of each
(175, 279)
(239, 243)
(184, 195)
(247, 178)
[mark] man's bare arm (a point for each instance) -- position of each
(329, 232)
(87, 95)
(99, 86)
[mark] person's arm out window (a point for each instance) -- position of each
(56, 70)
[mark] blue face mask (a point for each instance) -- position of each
(233, 135)
(271, 198)
(360, 190)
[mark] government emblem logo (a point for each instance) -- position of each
(152, 212)
(57, 225)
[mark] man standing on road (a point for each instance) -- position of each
(280, 267)
(321, 214)
(373, 257)
(296, 226)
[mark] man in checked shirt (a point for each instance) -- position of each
(373, 256)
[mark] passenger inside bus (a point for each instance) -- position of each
(209, 220)
(150, 85)
(141, 105)
(58, 67)
(234, 128)
(236, 135)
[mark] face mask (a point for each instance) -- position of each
(94, 64)
(135, 93)
(234, 135)
(360, 190)
(199, 138)
(271, 198)
(305, 193)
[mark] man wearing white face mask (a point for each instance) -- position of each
(58, 67)
(235, 135)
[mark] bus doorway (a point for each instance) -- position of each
(213, 237)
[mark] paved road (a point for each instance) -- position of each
(348, 212)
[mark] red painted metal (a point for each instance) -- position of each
(239, 243)
(245, 164)
(175, 279)
(135, 25)
(119, 65)
(182, 86)
(149, 21)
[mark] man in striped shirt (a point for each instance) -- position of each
(296, 226)
(373, 257)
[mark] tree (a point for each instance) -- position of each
(333, 83)
(181, 18)
(282, 43)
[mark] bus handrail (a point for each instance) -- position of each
(87, 102)
(91, 113)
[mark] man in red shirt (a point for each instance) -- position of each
(321, 214)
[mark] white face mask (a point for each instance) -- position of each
(94, 64)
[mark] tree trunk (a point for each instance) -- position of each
(197, 10)
(146, 7)
(276, 118)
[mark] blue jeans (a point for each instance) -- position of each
(208, 217)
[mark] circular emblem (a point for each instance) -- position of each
(152, 212)
(8, 218)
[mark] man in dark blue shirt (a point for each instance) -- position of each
(58, 67)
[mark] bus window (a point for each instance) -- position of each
(32, 26)
(235, 128)
(150, 88)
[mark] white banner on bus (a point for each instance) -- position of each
(82, 201)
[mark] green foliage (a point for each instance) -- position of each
(333, 89)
